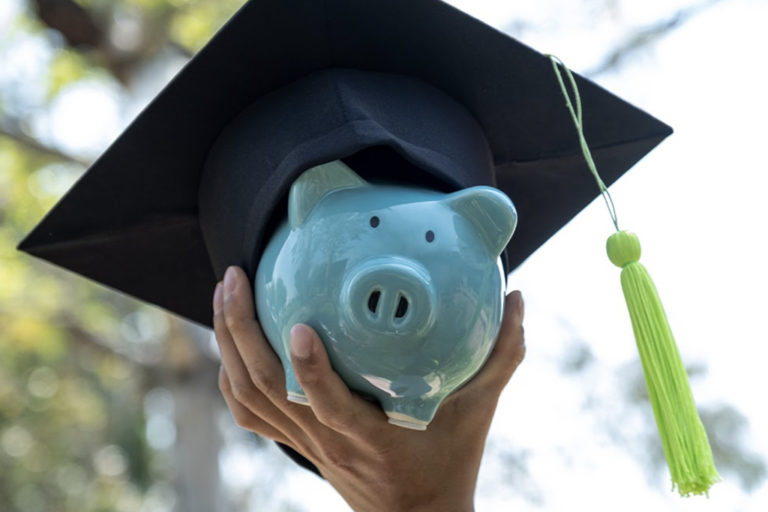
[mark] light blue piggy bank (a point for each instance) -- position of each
(404, 285)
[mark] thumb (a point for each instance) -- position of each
(331, 400)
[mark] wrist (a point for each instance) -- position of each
(444, 506)
(446, 501)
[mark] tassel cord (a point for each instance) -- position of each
(577, 120)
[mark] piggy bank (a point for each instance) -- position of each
(404, 285)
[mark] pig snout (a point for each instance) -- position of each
(390, 296)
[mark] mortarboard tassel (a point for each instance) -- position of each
(683, 437)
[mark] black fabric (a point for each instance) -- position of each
(407, 90)
(299, 459)
(329, 115)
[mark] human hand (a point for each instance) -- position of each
(374, 465)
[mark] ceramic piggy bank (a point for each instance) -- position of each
(403, 285)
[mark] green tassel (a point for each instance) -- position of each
(683, 437)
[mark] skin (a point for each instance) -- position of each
(373, 465)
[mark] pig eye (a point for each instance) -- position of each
(430, 236)
(374, 221)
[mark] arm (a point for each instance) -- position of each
(372, 464)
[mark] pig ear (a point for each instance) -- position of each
(490, 211)
(314, 184)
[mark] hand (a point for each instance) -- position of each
(374, 465)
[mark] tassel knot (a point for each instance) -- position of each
(623, 248)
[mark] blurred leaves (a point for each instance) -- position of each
(727, 429)
(67, 66)
(75, 359)
(193, 25)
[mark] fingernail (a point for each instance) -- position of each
(217, 299)
(301, 342)
(229, 281)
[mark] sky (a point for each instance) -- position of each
(697, 204)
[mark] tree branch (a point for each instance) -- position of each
(645, 36)
(38, 147)
(75, 23)
(84, 338)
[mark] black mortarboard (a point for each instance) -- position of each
(403, 90)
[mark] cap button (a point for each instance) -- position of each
(623, 248)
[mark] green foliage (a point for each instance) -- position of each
(66, 67)
(60, 446)
(195, 21)
(72, 426)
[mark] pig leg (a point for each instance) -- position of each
(414, 413)
(293, 390)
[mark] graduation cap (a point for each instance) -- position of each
(409, 91)
(200, 175)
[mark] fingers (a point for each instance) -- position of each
(263, 366)
(240, 387)
(508, 352)
(236, 370)
(331, 400)
(244, 418)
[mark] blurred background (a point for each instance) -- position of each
(110, 405)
